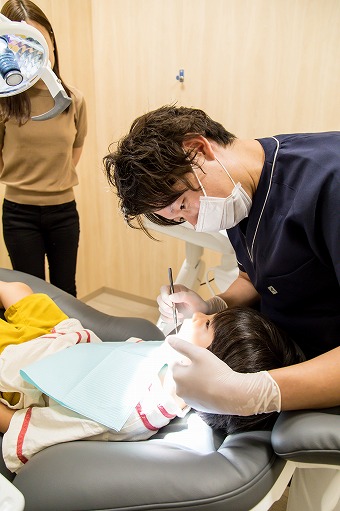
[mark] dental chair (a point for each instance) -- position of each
(185, 466)
(310, 439)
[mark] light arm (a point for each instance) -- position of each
(61, 99)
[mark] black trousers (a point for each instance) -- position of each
(33, 232)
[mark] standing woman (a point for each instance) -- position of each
(38, 167)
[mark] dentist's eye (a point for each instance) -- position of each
(182, 206)
(207, 323)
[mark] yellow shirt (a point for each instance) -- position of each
(32, 316)
(37, 157)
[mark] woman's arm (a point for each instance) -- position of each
(76, 153)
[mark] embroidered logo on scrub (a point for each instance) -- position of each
(272, 290)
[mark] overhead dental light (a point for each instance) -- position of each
(24, 60)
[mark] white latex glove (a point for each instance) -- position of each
(209, 385)
(187, 302)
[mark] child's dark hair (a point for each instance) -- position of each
(248, 343)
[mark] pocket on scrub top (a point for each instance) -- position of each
(300, 287)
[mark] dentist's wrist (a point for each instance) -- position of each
(216, 304)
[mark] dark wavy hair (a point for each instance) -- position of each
(150, 160)
(19, 105)
(248, 343)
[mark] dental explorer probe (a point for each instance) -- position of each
(172, 290)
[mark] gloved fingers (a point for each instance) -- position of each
(209, 384)
(165, 293)
(190, 351)
(182, 298)
(166, 300)
(165, 305)
(173, 356)
(163, 297)
(187, 302)
(165, 311)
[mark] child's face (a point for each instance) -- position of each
(202, 331)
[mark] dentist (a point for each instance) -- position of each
(279, 199)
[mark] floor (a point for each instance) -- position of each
(120, 304)
(281, 504)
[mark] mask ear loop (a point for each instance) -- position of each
(223, 167)
(199, 182)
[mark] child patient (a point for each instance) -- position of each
(35, 327)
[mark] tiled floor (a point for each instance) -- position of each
(117, 305)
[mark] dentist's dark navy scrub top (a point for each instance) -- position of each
(291, 251)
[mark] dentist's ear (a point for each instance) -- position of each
(199, 145)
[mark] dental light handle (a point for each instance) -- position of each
(24, 59)
(58, 93)
(9, 68)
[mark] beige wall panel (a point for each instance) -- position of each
(261, 67)
(141, 44)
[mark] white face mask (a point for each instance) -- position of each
(219, 213)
